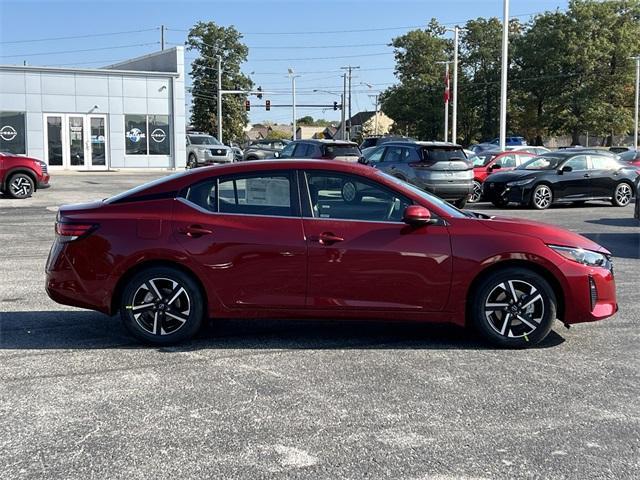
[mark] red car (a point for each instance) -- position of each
(280, 239)
(21, 176)
(486, 162)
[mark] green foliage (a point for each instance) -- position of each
(309, 121)
(210, 40)
(569, 72)
(278, 135)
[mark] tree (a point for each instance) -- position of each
(306, 120)
(416, 103)
(278, 135)
(211, 40)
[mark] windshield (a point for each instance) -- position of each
(447, 207)
(629, 156)
(333, 151)
(483, 159)
(203, 140)
(541, 163)
(144, 186)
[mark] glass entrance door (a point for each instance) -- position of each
(76, 141)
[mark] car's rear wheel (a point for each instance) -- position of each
(162, 306)
(476, 195)
(21, 185)
(514, 307)
(622, 195)
(499, 202)
(542, 197)
(192, 162)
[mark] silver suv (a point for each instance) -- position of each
(203, 149)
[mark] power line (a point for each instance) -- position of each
(78, 51)
(88, 35)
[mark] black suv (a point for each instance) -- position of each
(441, 168)
(322, 149)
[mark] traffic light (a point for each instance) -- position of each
(247, 105)
(267, 105)
(335, 105)
(260, 94)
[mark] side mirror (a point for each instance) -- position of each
(565, 169)
(363, 160)
(495, 166)
(276, 154)
(417, 216)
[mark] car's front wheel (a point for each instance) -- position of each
(476, 195)
(514, 307)
(20, 185)
(622, 195)
(460, 203)
(162, 306)
(542, 197)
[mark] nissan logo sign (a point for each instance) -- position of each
(8, 133)
(158, 135)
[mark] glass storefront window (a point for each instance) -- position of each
(159, 138)
(13, 133)
(76, 141)
(54, 140)
(135, 127)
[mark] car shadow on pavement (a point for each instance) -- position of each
(615, 222)
(57, 330)
(621, 245)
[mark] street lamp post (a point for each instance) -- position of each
(293, 99)
(503, 79)
(219, 98)
(454, 113)
(635, 123)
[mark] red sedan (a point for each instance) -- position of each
(487, 162)
(281, 239)
(21, 176)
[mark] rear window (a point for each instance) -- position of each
(119, 197)
(333, 151)
(442, 154)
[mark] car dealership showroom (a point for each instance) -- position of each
(126, 115)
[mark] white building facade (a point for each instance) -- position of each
(126, 115)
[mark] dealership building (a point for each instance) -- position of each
(127, 115)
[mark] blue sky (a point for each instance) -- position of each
(263, 23)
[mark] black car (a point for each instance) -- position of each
(563, 177)
(441, 168)
(322, 149)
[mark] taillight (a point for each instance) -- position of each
(72, 231)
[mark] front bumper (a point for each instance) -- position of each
(43, 181)
(580, 306)
(492, 191)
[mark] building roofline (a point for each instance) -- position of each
(106, 70)
(143, 57)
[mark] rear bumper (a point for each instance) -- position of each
(448, 190)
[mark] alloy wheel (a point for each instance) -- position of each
(477, 192)
(542, 197)
(161, 306)
(514, 308)
(21, 186)
(623, 194)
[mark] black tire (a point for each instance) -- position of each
(622, 194)
(20, 185)
(542, 197)
(461, 203)
(173, 318)
(492, 308)
(500, 203)
(476, 195)
(252, 158)
(192, 162)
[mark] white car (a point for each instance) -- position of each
(529, 148)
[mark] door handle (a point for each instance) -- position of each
(195, 231)
(587, 175)
(328, 238)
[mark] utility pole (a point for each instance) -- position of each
(219, 98)
(349, 69)
(635, 123)
(503, 78)
(161, 37)
(376, 112)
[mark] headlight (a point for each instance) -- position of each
(519, 183)
(585, 257)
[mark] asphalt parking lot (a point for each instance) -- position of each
(259, 399)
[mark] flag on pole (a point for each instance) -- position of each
(446, 86)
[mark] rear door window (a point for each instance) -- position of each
(303, 150)
(336, 150)
(604, 163)
(507, 161)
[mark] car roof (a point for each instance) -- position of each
(421, 143)
(327, 140)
